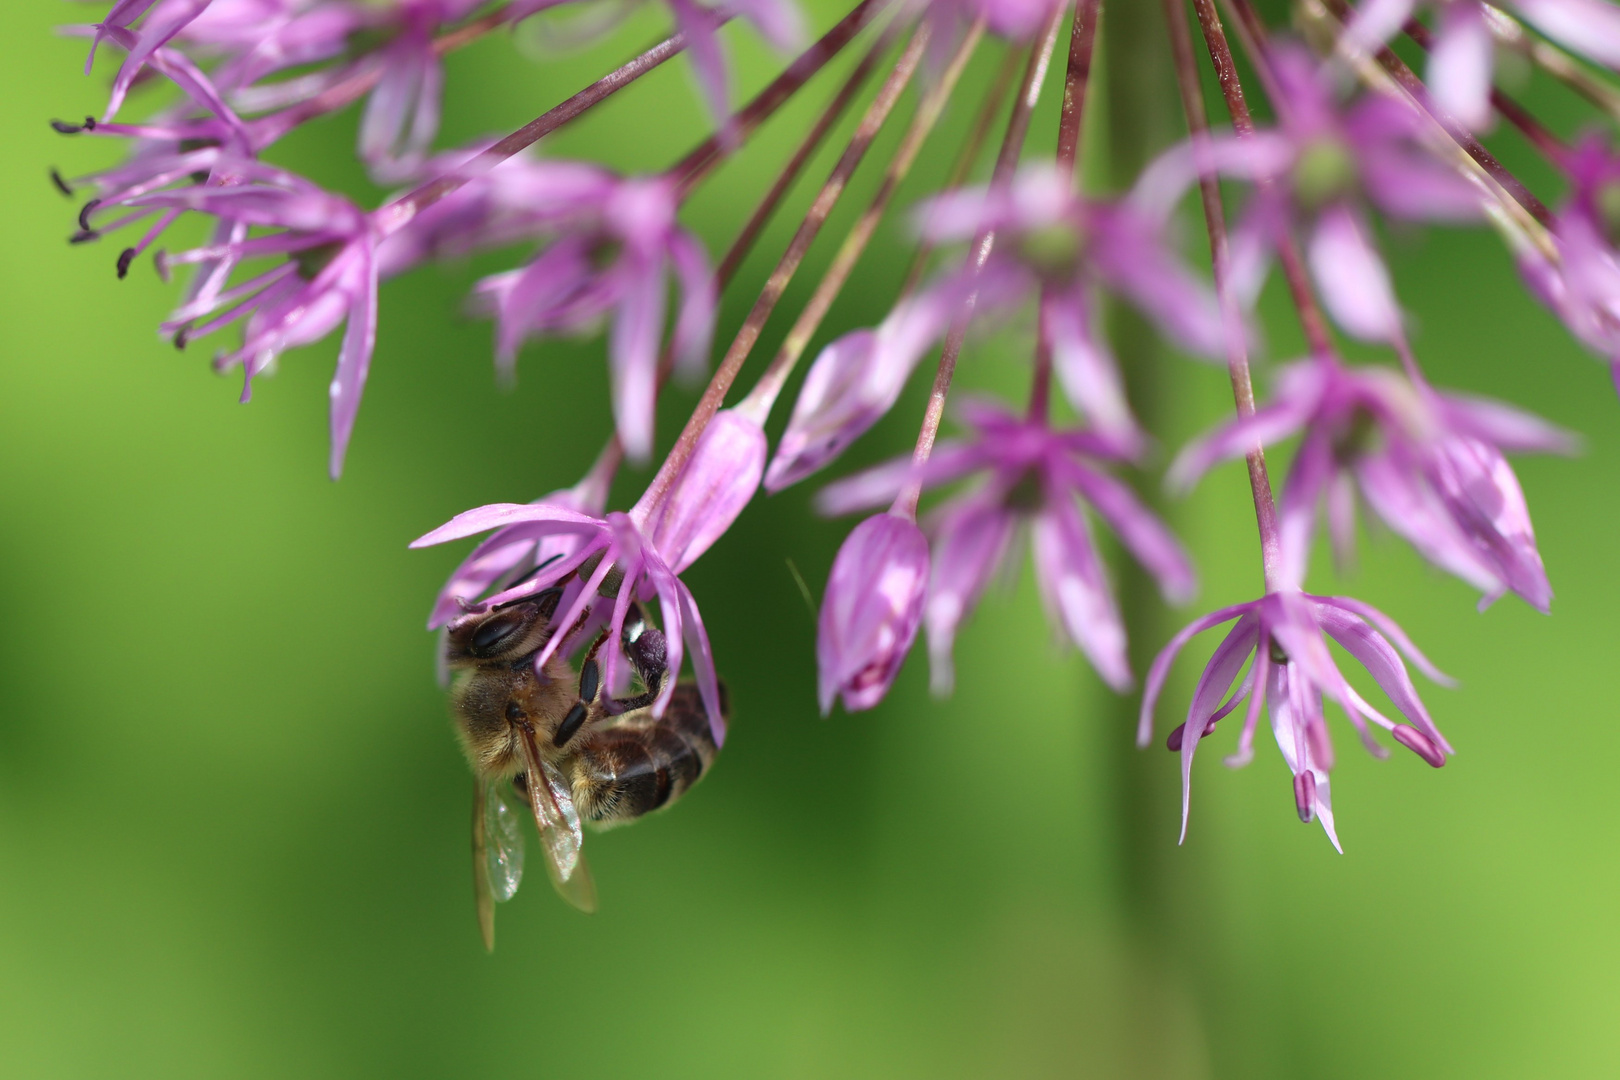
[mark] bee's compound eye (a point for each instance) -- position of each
(494, 635)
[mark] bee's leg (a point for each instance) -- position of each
(644, 644)
(590, 682)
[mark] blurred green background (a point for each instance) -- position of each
(233, 820)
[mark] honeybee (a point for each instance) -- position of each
(574, 753)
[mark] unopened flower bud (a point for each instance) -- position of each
(853, 383)
(871, 611)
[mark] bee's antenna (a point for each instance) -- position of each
(515, 582)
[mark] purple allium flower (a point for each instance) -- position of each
(1317, 171)
(1283, 638)
(511, 551)
(1429, 464)
(1462, 59)
(176, 148)
(566, 539)
(328, 276)
(524, 198)
(1582, 286)
(402, 114)
(253, 39)
(1049, 238)
(619, 241)
(871, 611)
(1033, 475)
(618, 564)
(257, 38)
(156, 30)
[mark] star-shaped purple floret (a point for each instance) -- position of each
(1040, 477)
(1429, 464)
(1282, 640)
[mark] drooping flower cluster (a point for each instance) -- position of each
(609, 241)
(1358, 139)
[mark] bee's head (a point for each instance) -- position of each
(503, 633)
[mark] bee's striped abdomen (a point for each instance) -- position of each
(642, 764)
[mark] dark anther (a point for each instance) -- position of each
(182, 336)
(514, 712)
(590, 677)
(571, 724)
(84, 213)
(89, 123)
(62, 127)
(84, 236)
(125, 257)
(61, 185)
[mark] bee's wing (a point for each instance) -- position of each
(504, 854)
(561, 838)
(497, 855)
(483, 893)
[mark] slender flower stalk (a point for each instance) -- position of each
(967, 158)
(395, 215)
(1237, 107)
(726, 373)
(763, 396)
(1071, 118)
(1012, 146)
(713, 150)
(795, 165)
(1237, 359)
